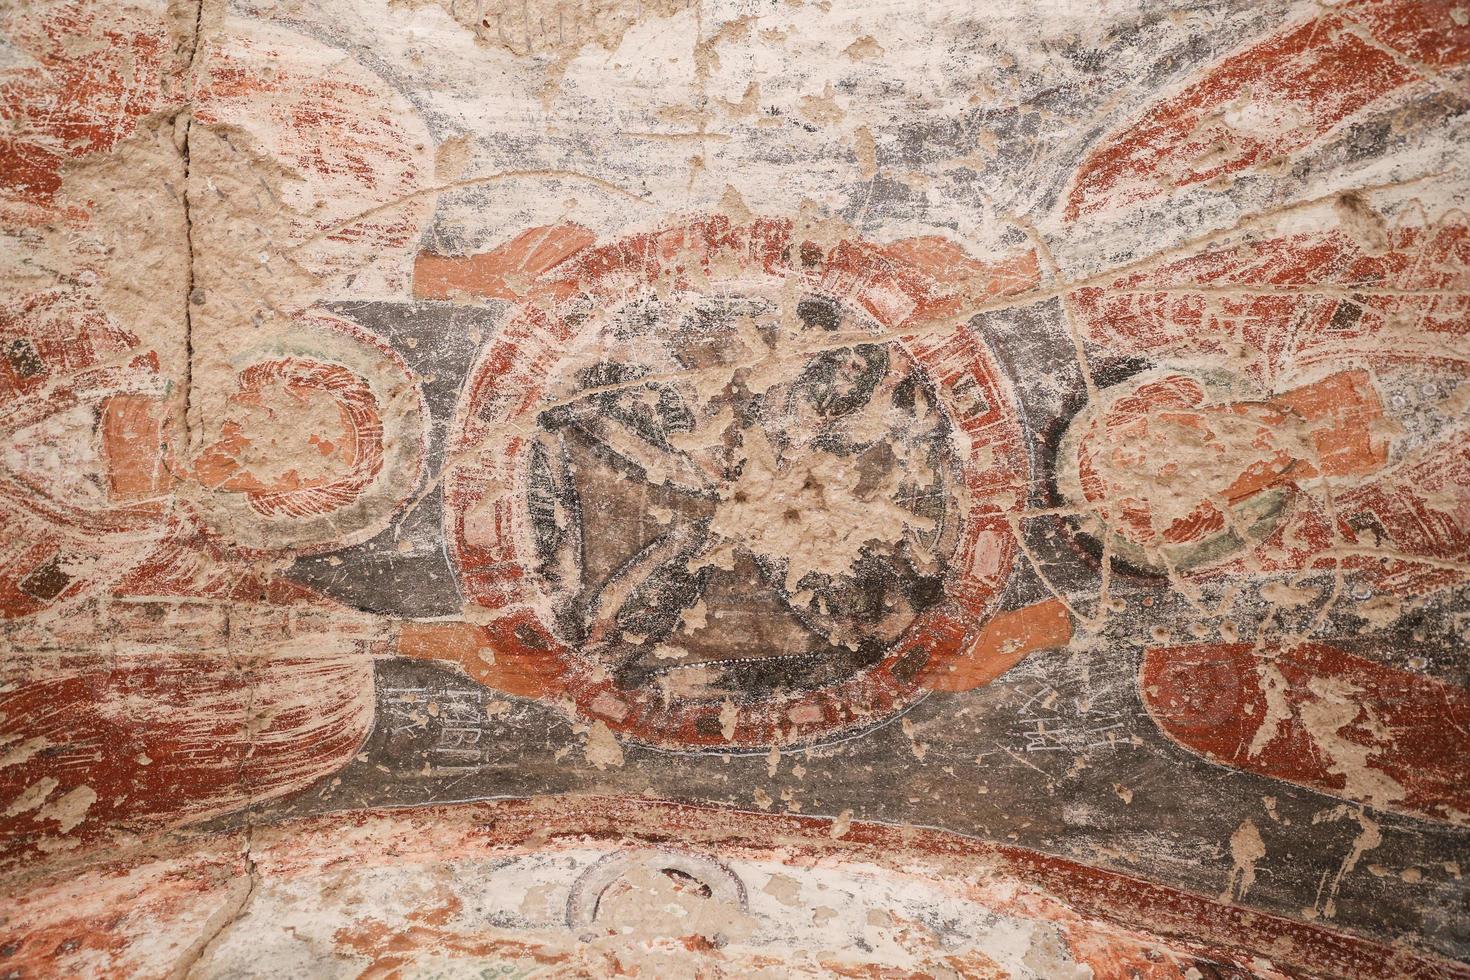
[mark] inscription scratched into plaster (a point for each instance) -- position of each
(663, 488)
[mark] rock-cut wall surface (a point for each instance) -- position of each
(734, 488)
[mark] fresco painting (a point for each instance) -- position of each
(713, 489)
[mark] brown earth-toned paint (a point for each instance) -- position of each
(595, 488)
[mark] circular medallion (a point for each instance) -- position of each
(727, 482)
(619, 888)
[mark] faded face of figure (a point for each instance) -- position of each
(279, 437)
(299, 434)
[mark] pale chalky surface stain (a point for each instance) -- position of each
(586, 488)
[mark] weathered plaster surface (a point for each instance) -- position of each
(587, 487)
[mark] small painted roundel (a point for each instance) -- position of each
(728, 488)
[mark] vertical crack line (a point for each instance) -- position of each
(185, 124)
(237, 905)
(227, 915)
(189, 291)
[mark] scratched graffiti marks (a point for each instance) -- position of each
(848, 478)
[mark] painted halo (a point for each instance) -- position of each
(1108, 510)
(382, 408)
